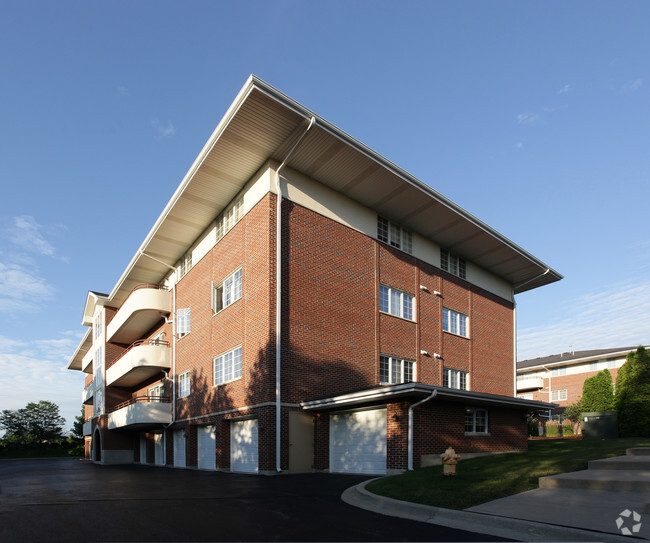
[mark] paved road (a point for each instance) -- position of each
(74, 500)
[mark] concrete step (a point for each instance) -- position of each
(595, 510)
(614, 480)
(638, 451)
(632, 462)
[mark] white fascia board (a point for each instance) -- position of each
(575, 361)
(75, 360)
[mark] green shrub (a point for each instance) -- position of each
(598, 392)
(633, 395)
(552, 428)
(567, 428)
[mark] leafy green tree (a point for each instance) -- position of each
(76, 437)
(35, 423)
(632, 398)
(598, 393)
(572, 412)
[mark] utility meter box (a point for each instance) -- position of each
(599, 425)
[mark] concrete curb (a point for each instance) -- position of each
(521, 530)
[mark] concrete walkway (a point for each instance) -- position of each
(580, 506)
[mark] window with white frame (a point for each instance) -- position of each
(454, 322)
(593, 366)
(611, 364)
(476, 421)
(525, 396)
(453, 264)
(455, 379)
(395, 302)
(230, 217)
(184, 384)
(558, 395)
(394, 235)
(185, 264)
(393, 370)
(228, 367)
(98, 324)
(558, 372)
(227, 292)
(183, 321)
(156, 392)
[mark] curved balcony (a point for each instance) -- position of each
(141, 412)
(143, 308)
(87, 394)
(142, 360)
(532, 383)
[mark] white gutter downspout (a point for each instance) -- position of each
(278, 302)
(410, 433)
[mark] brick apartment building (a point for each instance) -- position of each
(559, 378)
(358, 323)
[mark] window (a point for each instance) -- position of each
(229, 218)
(99, 324)
(183, 319)
(184, 384)
(611, 364)
(156, 392)
(558, 395)
(394, 370)
(227, 367)
(185, 265)
(394, 235)
(476, 421)
(593, 366)
(453, 264)
(558, 372)
(395, 302)
(455, 379)
(454, 322)
(227, 292)
(525, 396)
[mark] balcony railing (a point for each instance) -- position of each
(141, 412)
(144, 307)
(141, 361)
(87, 394)
(530, 383)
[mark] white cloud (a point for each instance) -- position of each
(632, 86)
(617, 316)
(26, 234)
(566, 88)
(22, 289)
(36, 371)
(165, 130)
(529, 118)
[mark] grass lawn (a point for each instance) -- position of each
(488, 478)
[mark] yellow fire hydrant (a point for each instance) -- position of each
(449, 460)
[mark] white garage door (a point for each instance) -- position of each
(207, 446)
(358, 442)
(159, 450)
(244, 446)
(179, 449)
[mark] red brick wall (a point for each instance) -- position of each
(571, 383)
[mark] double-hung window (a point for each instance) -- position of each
(454, 322)
(183, 320)
(394, 235)
(395, 302)
(558, 395)
(227, 292)
(184, 384)
(476, 421)
(227, 367)
(394, 370)
(558, 372)
(156, 392)
(185, 265)
(455, 379)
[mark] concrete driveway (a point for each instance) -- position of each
(75, 500)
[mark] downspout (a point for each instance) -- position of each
(410, 432)
(278, 302)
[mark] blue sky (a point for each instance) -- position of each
(533, 116)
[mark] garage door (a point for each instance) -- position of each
(159, 450)
(207, 446)
(243, 446)
(358, 442)
(179, 449)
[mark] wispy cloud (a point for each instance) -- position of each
(165, 130)
(631, 86)
(122, 91)
(612, 317)
(36, 371)
(26, 234)
(566, 88)
(529, 118)
(22, 289)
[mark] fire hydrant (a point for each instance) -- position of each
(449, 460)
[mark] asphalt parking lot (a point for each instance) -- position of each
(75, 500)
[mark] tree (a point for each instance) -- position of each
(572, 412)
(35, 423)
(632, 398)
(76, 437)
(598, 393)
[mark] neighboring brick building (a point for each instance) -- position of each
(559, 378)
(394, 309)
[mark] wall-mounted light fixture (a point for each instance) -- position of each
(437, 293)
(436, 355)
(424, 353)
(422, 287)
(395, 417)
